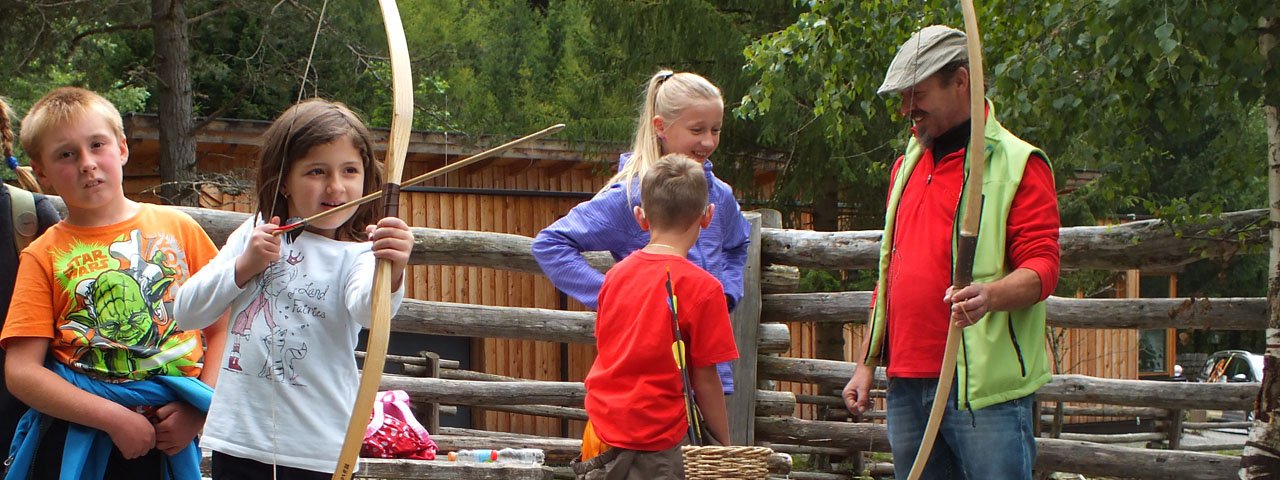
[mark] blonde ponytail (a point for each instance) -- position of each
(667, 95)
(25, 178)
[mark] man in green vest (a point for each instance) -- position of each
(986, 432)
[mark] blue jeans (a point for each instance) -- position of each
(991, 443)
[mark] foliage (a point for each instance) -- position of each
(1146, 93)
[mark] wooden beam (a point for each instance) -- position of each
(1067, 388)
(1145, 244)
(467, 320)
(1126, 313)
(1054, 454)
(487, 394)
(746, 332)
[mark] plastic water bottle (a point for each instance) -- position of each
(474, 456)
(521, 456)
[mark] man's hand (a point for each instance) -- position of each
(857, 393)
(177, 423)
(132, 434)
(968, 304)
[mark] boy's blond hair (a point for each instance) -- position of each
(62, 106)
(673, 192)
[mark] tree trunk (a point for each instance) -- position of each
(1261, 457)
(177, 139)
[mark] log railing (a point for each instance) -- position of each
(1147, 244)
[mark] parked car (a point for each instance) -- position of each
(1232, 366)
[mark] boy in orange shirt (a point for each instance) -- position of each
(121, 392)
(635, 390)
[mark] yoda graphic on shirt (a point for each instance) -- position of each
(122, 324)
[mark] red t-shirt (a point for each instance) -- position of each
(920, 263)
(635, 395)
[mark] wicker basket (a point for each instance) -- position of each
(715, 462)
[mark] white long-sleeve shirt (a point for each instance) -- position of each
(288, 377)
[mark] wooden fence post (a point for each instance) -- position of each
(746, 331)
(432, 371)
(1175, 429)
(769, 218)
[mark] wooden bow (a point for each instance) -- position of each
(967, 244)
(380, 323)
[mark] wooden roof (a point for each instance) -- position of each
(223, 144)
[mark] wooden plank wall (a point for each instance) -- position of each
(1106, 353)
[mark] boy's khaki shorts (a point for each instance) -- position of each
(623, 464)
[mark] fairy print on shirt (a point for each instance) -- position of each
(267, 335)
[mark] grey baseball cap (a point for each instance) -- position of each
(926, 52)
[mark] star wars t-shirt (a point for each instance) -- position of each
(103, 295)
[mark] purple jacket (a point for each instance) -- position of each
(606, 223)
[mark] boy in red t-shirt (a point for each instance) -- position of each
(635, 390)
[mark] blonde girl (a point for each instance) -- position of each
(682, 113)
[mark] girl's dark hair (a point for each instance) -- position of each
(294, 133)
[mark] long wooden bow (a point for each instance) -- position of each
(380, 323)
(967, 244)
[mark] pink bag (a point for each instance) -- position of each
(393, 432)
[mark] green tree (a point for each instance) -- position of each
(1160, 97)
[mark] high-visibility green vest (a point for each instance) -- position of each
(1003, 356)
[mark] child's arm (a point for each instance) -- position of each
(179, 422)
(593, 225)
(706, 386)
(50, 394)
(205, 297)
(215, 337)
(736, 232)
(392, 240)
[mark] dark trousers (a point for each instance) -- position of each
(227, 467)
(48, 461)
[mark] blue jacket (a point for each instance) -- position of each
(605, 223)
(85, 454)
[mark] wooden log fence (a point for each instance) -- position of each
(1054, 454)
(519, 323)
(1147, 244)
(487, 394)
(1135, 313)
(1065, 388)
(1142, 244)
